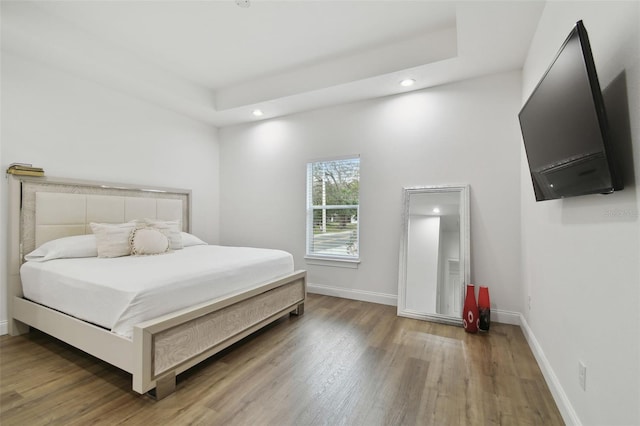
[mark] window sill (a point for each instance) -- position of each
(335, 262)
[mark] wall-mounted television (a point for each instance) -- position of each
(564, 127)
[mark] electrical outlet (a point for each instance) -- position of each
(582, 375)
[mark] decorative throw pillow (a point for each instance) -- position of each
(112, 240)
(146, 241)
(170, 228)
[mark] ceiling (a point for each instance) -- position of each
(217, 61)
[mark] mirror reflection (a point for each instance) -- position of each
(434, 253)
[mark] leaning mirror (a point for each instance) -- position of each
(434, 253)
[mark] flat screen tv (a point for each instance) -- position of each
(564, 126)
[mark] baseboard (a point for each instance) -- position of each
(569, 415)
(348, 293)
(497, 315)
(4, 327)
(505, 317)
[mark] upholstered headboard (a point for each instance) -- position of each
(43, 208)
(60, 215)
(55, 208)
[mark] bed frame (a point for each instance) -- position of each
(41, 209)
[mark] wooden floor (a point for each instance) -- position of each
(342, 363)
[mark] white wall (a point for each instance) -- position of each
(75, 128)
(581, 255)
(459, 133)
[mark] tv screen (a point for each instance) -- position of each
(564, 126)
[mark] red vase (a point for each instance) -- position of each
(484, 309)
(470, 311)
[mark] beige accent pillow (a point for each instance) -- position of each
(170, 228)
(112, 240)
(147, 241)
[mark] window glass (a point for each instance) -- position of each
(333, 208)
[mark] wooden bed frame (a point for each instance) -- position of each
(163, 347)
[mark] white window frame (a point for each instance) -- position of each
(324, 259)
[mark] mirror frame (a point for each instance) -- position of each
(465, 250)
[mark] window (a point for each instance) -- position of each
(333, 209)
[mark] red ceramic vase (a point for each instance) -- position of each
(484, 309)
(470, 311)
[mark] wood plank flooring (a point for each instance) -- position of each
(343, 362)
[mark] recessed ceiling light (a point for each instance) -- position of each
(407, 82)
(258, 113)
(436, 210)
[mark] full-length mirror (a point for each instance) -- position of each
(434, 253)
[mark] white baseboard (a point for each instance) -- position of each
(4, 327)
(569, 415)
(348, 293)
(497, 315)
(505, 317)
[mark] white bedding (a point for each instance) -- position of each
(117, 293)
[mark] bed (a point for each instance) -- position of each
(159, 341)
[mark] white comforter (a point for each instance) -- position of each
(121, 292)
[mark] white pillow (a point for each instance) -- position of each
(63, 248)
(146, 241)
(169, 228)
(113, 239)
(189, 240)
